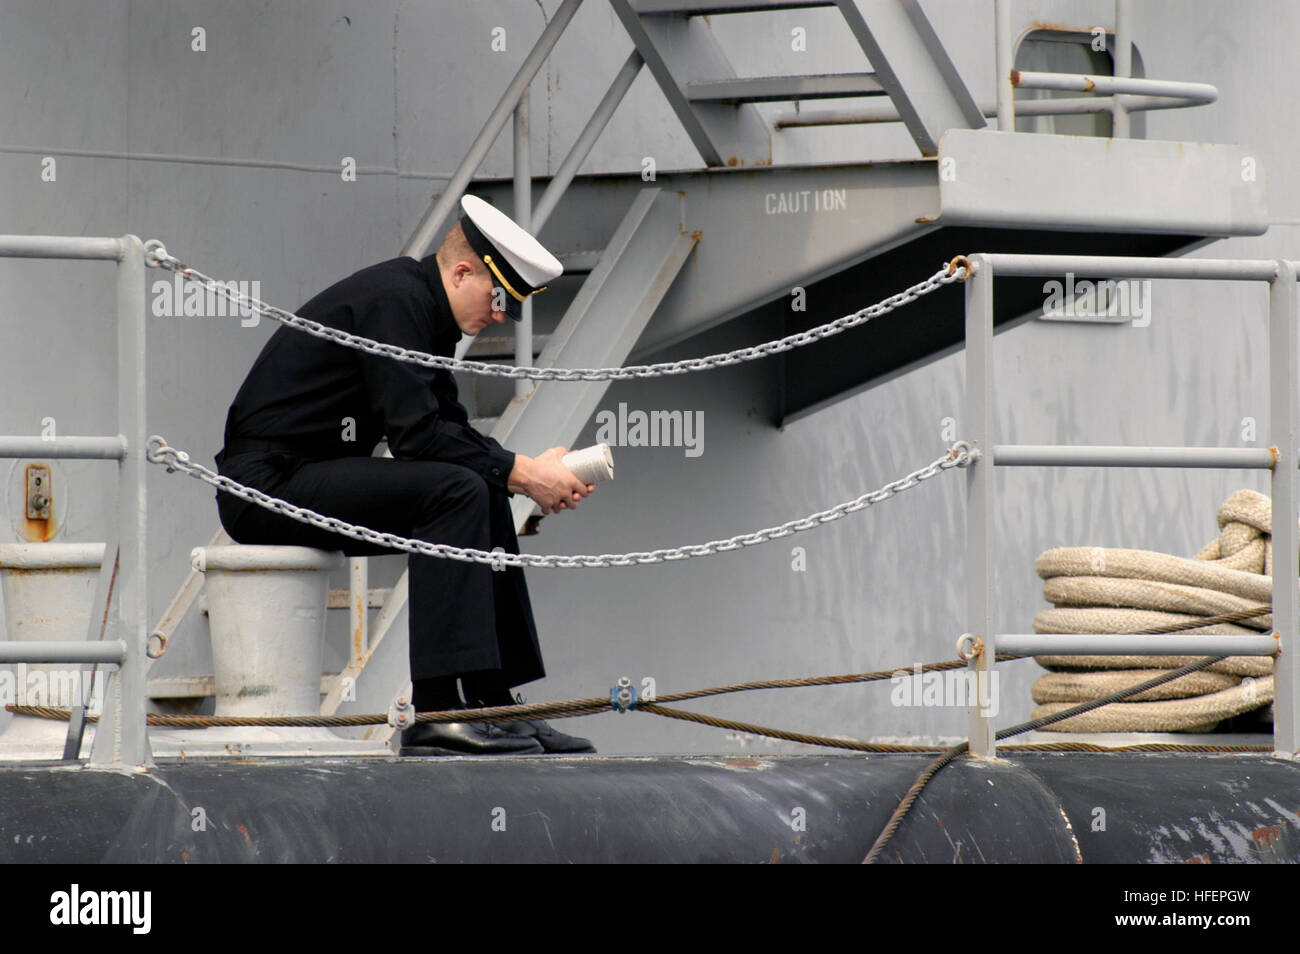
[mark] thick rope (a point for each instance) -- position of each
(161, 453)
(156, 256)
(914, 790)
(566, 708)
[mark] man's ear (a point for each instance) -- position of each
(460, 272)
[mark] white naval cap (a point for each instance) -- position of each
(518, 262)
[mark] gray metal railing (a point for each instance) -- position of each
(1120, 94)
(116, 640)
(1281, 459)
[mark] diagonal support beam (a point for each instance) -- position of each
(679, 51)
(601, 326)
(914, 68)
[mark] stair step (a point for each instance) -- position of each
(342, 599)
(197, 687)
(771, 89)
(580, 262)
(704, 8)
(502, 346)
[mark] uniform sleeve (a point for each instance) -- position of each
(418, 405)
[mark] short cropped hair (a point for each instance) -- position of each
(456, 248)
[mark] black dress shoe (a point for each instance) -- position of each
(550, 740)
(465, 738)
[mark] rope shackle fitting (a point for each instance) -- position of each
(969, 646)
(623, 696)
(401, 714)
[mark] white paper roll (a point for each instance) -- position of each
(591, 465)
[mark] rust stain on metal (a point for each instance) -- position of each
(359, 633)
(1198, 860)
(926, 219)
(1015, 77)
(776, 856)
(743, 763)
(1057, 27)
(1264, 837)
(1266, 833)
(244, 831)
(734, 161)
(1088, 85)
(38, 531)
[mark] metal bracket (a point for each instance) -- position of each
(623, 696)
(39, 492)
(401, 713)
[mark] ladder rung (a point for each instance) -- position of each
(770, 89)
(702, 8)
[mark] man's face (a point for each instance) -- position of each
(470, 292)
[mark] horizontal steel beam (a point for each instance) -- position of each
(1200, 92)
(62, 651)
(60, 246)
(771, 89)
(1119, 266)
(1034, 180)
(1129, 644)
(886, 112)
(1062, 455)
(70, 448)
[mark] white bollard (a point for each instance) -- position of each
(266, 614)
(48, 590)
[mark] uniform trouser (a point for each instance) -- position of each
(464, 617)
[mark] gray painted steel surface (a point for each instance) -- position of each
(1029, 807)
(220, 170)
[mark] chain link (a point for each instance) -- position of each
(157, 257)
(160, 452)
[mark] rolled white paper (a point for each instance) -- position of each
(592, 464)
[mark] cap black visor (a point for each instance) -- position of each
(514, 308)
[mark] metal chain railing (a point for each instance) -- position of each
(157, 257)
(160, 452)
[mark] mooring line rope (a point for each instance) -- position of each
(156, 256)
(914, 790)
(161, 453)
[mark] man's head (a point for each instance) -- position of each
(490, 266)
(470, 287)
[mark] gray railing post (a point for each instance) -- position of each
(523, 195)
(1286, 532)
(132, 389)
(1002, 55)
(980, 497)
(1123, 67)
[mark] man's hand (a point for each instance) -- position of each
(548, 481)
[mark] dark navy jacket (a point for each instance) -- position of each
(319, 400)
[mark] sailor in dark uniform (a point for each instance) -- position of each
(308, 416)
